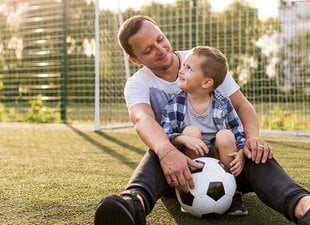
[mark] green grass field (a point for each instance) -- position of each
(56, 174)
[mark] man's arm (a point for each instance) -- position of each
(148, 129)
(235, 125)
(253, 147)
(175, 165)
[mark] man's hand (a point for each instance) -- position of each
(175, 166)
(258, 150)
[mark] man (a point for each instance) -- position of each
(164, 167)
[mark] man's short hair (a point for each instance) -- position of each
(129, 28)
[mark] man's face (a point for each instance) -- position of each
(151, 47)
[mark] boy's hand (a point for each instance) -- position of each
(196, 145)
(236, 166)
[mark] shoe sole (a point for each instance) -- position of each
(112, 211)
(238, 213)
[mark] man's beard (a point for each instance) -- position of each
(164, 67)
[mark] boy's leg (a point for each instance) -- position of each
(225, 144)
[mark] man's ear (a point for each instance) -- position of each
(134, 60)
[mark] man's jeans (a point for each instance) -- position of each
(269, 181)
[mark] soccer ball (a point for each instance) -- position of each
(214, 189)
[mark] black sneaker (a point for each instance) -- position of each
(119, 210)
(305, 220)
(237, 207)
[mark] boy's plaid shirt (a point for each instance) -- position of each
(223, 113)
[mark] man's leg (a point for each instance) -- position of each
(144, 188)
(148, 180)
(272, 185)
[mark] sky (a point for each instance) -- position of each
(265, 8)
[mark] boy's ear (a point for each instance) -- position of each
(134, 60)
(207, 83)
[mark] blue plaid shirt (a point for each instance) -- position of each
(223, 113)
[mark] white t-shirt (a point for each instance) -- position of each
(145, 87)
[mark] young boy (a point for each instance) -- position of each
(201, 121)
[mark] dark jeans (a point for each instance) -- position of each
(269, 181)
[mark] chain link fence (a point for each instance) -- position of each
(47, 54)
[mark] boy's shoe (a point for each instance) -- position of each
(237, 207)
(183, 210)
(120, 210)
(305, 220)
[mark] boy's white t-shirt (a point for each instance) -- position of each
(145, 87)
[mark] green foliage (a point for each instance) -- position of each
(270, 26)
(1, 112)
(10, 114)
(278, 119)
(1, 82)
(39, 113)
(14, 115)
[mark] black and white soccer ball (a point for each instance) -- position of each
(214, 189)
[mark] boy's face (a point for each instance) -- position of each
(151, 47)
(191, 77)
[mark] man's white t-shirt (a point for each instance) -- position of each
(145, 87)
